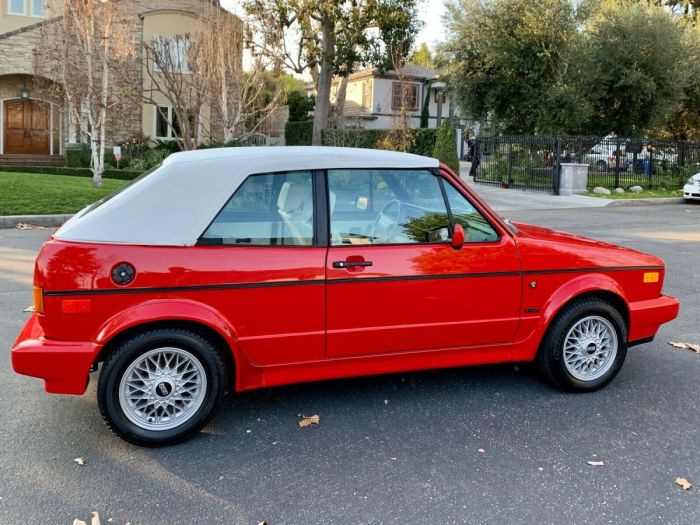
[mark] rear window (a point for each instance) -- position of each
(100, 202)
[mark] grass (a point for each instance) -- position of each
(36, 194)
(646, 194)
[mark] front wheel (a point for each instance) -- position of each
(161, 386)
(585, 346)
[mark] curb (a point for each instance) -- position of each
(11, 221)
(646, 202)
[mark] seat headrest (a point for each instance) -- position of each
(292, 196)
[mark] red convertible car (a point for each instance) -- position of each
(245, 268)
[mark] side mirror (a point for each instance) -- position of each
(457, 237)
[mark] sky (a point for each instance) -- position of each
(430, 12)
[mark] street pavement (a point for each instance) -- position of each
(490, 444)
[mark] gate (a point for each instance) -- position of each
(524, 162)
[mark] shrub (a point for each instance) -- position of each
(72, 172)
(424, 143)
(300, 105)
(298, 133)
(446, 146)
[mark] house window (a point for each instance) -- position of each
(171, 53)
(39, 8)
(167, 126)
(367, 94)
(404, 96)
(16, 7)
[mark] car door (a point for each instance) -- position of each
(264, 260)
(394, 282)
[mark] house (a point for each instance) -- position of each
(34, 126)
(376, 100)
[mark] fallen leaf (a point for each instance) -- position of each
(78, 522)
(311, 420)
(386, 401)
(482, 450)
(682, 482)
(540, 469)
(25, 226)
(95, 518)
(688, 346)
(80, 461)
(262, 523)
(596, 463)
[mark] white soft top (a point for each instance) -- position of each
(174, 204)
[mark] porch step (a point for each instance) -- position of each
(32, 160)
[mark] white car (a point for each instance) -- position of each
(691, 190)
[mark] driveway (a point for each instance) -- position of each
(489, 444)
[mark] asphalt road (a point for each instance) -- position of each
(395, 449)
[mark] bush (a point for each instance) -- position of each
(424, 143)
(420, 141)
(299, 105)
(352, 137)
(72, 172)
(78, 156)
(298, 133)
(446, 146)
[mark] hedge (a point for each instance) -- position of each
(422, 140)
(72, 172)
(298, 133)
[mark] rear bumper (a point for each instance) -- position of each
(64, 366)
(647, 316)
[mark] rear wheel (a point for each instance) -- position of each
(161, 386)
(585, 346)
(601, 166)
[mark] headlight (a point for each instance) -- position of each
(690, 181)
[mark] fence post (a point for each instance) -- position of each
(617, 162)
(509, 164)
(557, 164)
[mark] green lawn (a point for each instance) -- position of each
(646, 194)
(35, 194)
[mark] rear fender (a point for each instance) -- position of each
(181, 310)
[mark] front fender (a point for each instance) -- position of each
(180, 310)
(583, 284)
(533, 331)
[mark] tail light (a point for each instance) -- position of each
(38, 300)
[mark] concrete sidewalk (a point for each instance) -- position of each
(502, 199)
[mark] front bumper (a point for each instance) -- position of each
(691, 191)
(63, 365)
(647, 316)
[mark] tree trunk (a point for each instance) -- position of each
(325, 77)
(340, 100)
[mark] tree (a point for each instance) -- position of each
(326, 38)
(422, 56)
(88, 54)
(242, 101)
(686, 8)
(446, 146)
(300, 105)
(636, 67)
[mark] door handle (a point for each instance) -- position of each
(349, 264)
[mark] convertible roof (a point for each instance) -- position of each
(174, 204)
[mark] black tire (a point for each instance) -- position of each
(550, 358)
(601, 166)
(128, 352)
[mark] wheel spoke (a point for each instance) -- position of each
(162, 388)
(590, 348)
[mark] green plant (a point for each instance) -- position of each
(109, 173)
(299, 105)
(424, 143)
(298, 133)
(446, 146)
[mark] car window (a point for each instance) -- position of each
(386, 207)
(476, 227)
(267, 210)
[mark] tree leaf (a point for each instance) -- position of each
(596, 463)
(80, 461)
(682, 482)
(308, 421)
(688, 346)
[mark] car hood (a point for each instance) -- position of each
(546, 249)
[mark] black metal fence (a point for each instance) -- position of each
(532, 162)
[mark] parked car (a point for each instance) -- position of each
(605, 156)
(243, 268)
(691, 190)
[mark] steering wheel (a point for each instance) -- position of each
(387, 221)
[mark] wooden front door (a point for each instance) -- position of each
(27, 127)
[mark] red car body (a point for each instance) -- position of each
(298, 318)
